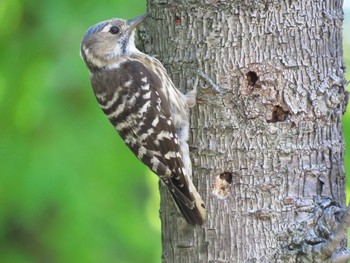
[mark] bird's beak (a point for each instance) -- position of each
(134, 22)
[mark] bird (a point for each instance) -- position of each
(140, 100)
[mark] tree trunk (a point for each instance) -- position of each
(266, 134)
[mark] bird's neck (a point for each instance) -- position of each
(114, 62)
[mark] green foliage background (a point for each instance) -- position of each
(70, 191)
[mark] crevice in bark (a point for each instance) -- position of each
(177, 20)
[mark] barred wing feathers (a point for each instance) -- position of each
(132, 98)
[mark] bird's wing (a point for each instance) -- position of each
(136, 106)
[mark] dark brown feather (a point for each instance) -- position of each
(109, 82)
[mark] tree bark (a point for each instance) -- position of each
(266, 135)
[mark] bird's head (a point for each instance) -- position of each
(107, 41)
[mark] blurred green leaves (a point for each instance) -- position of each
(70, 190)
(10, 16)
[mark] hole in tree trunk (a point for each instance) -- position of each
(227, 177)
(278, 114)
(222, 186)
(252, 79)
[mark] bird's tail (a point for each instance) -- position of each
(194, 215)
(193, 210)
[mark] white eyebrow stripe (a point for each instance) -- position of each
(106, 28)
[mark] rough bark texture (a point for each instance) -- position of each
(266, 142)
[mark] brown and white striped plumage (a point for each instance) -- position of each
(140, 100)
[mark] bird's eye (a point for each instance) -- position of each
(114, 30)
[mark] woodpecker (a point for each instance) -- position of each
(140, 100)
